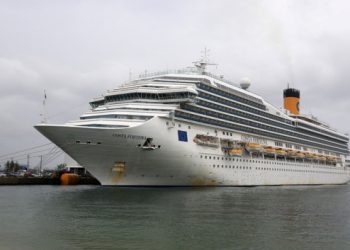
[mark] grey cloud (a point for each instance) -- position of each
(78, 49)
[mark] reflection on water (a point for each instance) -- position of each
(91, 217)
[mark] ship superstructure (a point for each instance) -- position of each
(189, 127)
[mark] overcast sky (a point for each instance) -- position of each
(76, 50)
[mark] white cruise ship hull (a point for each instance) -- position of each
(117, 157)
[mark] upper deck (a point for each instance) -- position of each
(194, 83)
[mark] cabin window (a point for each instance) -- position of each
(279, 144)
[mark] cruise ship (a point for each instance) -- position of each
(192, 128)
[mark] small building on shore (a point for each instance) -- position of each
(73, 167)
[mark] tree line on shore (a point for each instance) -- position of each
(14, 167)
(11, 166)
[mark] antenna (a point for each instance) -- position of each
(202, 64)
(43, 115)
(205, 53)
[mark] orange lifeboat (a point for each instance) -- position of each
(309, 156)
(291, 153)
(269, 150)
(280, 152)
(316, 157)
(253, 147)
(331, 158)
(300, 155)
(236, 152)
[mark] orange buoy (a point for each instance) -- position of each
(69, 179)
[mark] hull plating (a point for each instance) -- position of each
(117, 157)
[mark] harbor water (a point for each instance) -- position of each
(95, 217)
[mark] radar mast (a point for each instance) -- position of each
(202, 64)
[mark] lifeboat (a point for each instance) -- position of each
(316, 157)
(236, 152)
(291, 153)
(280, 152)
(206, 140)
(309, 156)
(329, 158)
(253, 147)
(300, 155)
(323, 158)
(269, 150)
